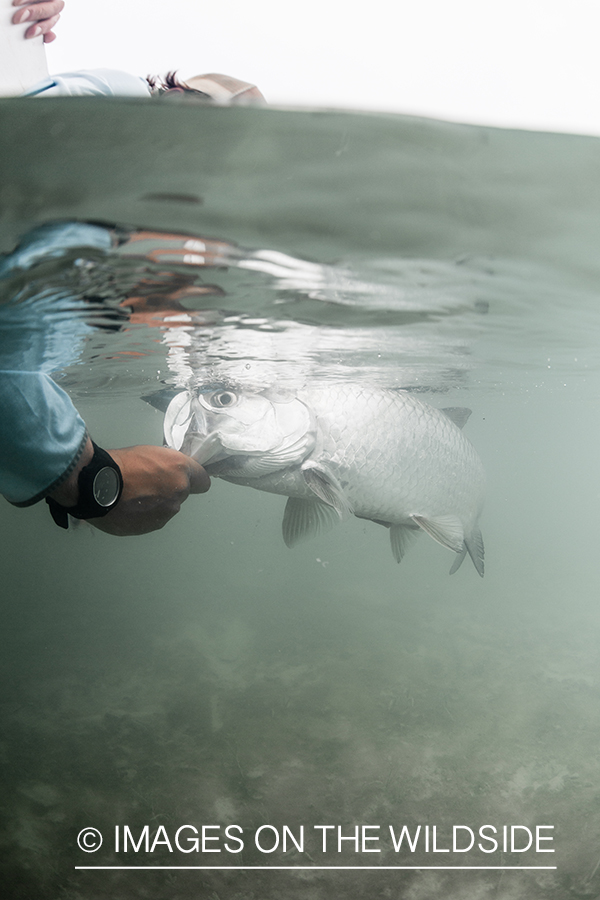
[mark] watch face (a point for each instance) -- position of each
(106, 486)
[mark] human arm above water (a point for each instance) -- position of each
(43, 15)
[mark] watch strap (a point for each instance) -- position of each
(87, 506)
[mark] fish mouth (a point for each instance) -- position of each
(205, 448)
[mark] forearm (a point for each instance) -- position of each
(42, 436)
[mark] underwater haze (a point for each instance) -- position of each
(206, 675)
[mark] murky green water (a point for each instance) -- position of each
(205, 675)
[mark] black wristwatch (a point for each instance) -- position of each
(100, 486)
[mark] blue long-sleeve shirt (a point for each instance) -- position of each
(42, 436)
(91, 82)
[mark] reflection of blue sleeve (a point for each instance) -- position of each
(53, 240)
(44, 330)
(42, 436)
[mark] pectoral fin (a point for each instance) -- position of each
(303, 519)
(327, 488)
(446, 530)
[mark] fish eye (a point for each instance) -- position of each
(221, 399)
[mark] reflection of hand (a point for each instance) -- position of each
(156, 481)
(43, 14)
(179, 249)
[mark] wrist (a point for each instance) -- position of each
(67, 493)
(99, 489)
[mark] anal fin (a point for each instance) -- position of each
(446, 530)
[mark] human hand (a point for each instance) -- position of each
(156, 481)
(44, 14)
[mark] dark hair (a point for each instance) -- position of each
(171, 82)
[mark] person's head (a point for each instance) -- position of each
(212, 88)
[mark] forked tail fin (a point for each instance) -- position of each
(474, 545)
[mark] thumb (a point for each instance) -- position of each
(199, 480)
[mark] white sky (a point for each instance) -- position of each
(523, 63)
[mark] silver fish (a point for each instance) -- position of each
(382, 455)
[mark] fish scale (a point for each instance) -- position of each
(345, 449)
(418, 458)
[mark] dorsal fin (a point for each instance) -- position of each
(458, 414)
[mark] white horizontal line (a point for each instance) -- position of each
(347, 868)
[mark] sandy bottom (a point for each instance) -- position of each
(286, 702)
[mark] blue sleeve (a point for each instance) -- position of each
(91, 82)
(42, 436)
